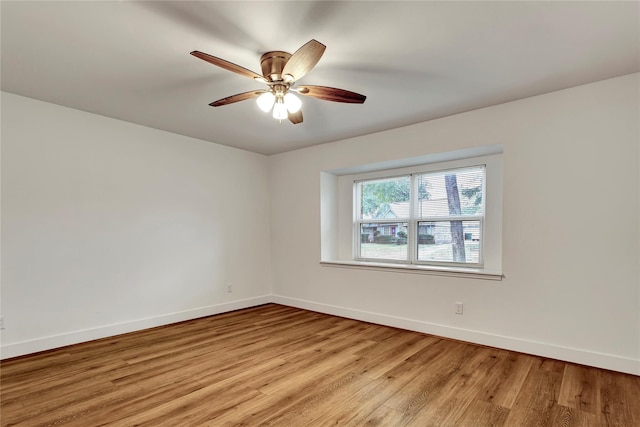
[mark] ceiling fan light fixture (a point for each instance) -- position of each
(280, 110)
(265, 101)
(292, 103)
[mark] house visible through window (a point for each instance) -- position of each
(434, 217)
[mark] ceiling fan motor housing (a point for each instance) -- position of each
(273, 63)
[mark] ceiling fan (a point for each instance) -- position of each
(280, 71)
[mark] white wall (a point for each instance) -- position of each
(109, 227)
(571, 224)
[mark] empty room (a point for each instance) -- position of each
(320, 213)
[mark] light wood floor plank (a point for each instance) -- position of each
(539, 395)
(505, 380)
(580, 389)
(359, 406)
(481, 413)
(447, 406)
(620, 395)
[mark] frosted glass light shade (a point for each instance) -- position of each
(292, 102)
(265, 101)
(280, 111)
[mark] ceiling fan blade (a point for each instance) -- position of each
(331, 94)
(230, 66)
(237, 98)
(303, 60)
(296, 117)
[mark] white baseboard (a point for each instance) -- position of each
(48, 343)
(583, 357)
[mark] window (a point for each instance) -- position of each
(434, 217)
(394, 215)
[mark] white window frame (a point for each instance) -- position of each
(490, 264)
(413, 220)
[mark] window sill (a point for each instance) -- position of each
(473, 273)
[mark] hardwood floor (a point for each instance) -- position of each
(281, 366)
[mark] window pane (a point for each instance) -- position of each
(385, 198)
(451, 193)
(384, 240)
(449, 241)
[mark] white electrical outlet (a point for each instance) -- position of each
(458, 308)
(1, 322)
(229, 288)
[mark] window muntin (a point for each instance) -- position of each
(439, 218)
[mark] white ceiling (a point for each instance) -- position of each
(415, 61)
